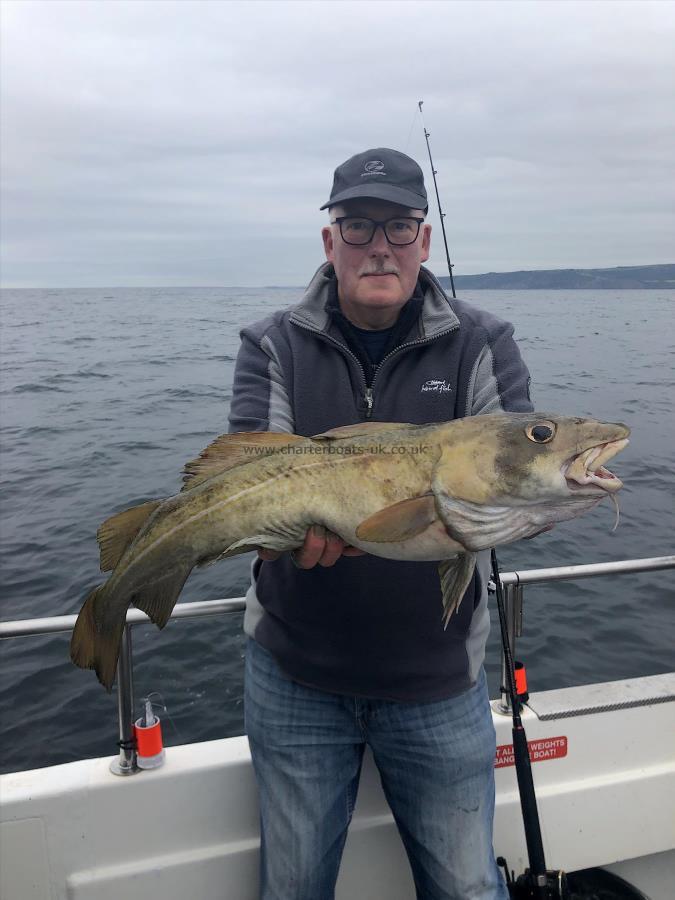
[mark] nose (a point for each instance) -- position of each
(379, 244)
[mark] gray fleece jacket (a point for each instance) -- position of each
(369, 626)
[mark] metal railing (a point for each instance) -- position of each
(125, 764)
(513, 583)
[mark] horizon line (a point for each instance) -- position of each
(90, 287)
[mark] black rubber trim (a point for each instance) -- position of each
(599, 884)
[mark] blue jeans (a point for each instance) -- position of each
(436, 763)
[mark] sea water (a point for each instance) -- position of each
(106, 393)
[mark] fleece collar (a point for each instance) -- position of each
(313, 311)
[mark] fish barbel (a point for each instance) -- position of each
(437, 492)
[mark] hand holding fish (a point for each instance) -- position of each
(321, 547)
(439, 492)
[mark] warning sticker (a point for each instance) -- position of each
(544, 748)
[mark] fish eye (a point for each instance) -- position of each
(541, 433)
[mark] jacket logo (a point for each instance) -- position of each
(437, 385)
(373, 167)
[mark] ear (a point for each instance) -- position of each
(426, 242)
(327, 236)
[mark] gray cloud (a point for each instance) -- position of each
(192, 143)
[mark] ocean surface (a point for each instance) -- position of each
(106, 393)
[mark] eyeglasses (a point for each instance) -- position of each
(359, 230)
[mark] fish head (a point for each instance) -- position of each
(523, 458)
(503, 477)
(555, 457)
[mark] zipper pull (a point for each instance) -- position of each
(369, 402)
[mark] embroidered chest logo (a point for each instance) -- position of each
(440, 386)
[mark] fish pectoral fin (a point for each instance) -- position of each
(116, 533)
(158, 598)
(230, 450)
(400, 521)
(455, 575)
(361, 429)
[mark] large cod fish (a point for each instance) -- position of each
(414, 492)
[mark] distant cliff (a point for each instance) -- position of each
(650, 277)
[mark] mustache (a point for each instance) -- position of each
(379, 269)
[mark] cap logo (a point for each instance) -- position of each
(373, 167)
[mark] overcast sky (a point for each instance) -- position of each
(191, 143)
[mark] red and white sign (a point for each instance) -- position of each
(544, 748)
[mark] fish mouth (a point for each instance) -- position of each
(587, 469)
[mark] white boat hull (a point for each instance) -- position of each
(190, 829)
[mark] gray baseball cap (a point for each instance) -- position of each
(380, 174)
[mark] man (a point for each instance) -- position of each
(348, 649)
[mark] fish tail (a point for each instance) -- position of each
(92, 647)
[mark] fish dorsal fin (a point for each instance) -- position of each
(230, 450)
(361, 429)
(400, 521)
(117, 532)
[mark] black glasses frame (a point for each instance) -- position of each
(338, 220)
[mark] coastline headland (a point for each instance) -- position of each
(620, 277)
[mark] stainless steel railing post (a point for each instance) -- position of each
(513, 608)
(125, 764)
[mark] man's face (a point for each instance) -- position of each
(378, 275)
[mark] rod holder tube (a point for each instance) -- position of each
(513, 608)
(125, 763)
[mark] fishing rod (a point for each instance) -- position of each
(537, 882)
(427, 135)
